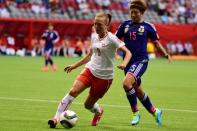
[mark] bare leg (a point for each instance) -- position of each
(94, 107)
(76, 89)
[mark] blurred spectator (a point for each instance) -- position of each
(125, 5)
(43, 9)
(172, 17)
(4, 12)
(188, 48)
(161, 7)
(104, 4)
(21, 1)
(35, 7)
(195, 17)
(167, 11)
(37, 48)
(57, 48)
(66, 44)
(151, 50)
(180, 48)
(10, 45)
(176, 11)
(2, 1)
(79, 49)
(171, 48)
(68, 49)
(83, 6)
(152, 4)
(87, 45)
(42, 44)
(165, 18)
(3, 43)
(24, 52)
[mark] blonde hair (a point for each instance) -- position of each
(106, 16)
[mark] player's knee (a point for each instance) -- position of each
(73, 92)
(46, 57)
(127, 84)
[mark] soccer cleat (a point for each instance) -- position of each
(136, 118)
(157, 114)
(52, 123)
(54, 67)
(97, 118)
(45, 68)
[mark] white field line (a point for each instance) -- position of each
(106, 105)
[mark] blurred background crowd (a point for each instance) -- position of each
(160, 11)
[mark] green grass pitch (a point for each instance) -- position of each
(29, 97)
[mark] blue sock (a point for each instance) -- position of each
(50, 61)
(147, 104)
(132, 98)
(46, 62)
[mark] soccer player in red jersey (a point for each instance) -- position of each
(98, 72)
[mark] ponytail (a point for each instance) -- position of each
(107, 16)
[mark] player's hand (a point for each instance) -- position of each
(69, 68)
(121, 66)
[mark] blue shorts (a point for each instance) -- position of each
(48, 52)
(137, 69)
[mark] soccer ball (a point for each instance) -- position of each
(68, 119)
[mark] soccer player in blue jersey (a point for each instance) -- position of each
(51, 37)
(136, 33)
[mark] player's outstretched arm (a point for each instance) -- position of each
(162, 49)
(126, 59)
(84, 60)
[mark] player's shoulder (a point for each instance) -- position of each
(55, 31)
(46, 31)
(149, 25)
(113, 38)
(127, 22)
(94, 36)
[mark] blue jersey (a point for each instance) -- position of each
(136, 36)
(50, 38)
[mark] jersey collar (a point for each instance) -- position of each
(100, 39)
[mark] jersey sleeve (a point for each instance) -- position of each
(120, 32)
(44, 34)
(117, 42)
(56, 37)
(152, 33)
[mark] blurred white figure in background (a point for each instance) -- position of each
(171, 48)
(4, 12)
(10, 45)
(179, 47)
(188, 48)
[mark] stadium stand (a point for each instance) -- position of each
(26, 19)
(165, 11)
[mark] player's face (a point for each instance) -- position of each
(136, 15)
(100, 25)
(50, 27)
